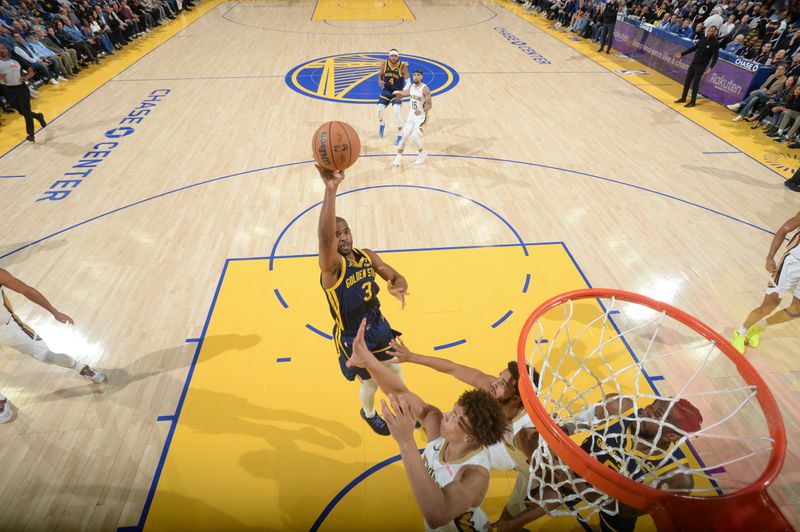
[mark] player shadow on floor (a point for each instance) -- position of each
(288, 435)
(165, 360)
(24, 254)
(729, 175)
(202, 513)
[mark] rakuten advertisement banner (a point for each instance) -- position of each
(728, 82)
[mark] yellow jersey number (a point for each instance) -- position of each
(367, 290)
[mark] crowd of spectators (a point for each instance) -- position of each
(763, 32)
(59, 38)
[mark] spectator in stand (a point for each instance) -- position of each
(776, 100)
(68, 56)
(789, 112)
(768, 89)
(73, 38)
(742, 27)
(728, 28)
(686, 29)
(715, 19)
(777, 58)
(794, 67)
(736, 46)
(705, 57)
(699, 31)
(670, 24)
(43, 69)
(762, 57)
(46, 54)
(609, 20)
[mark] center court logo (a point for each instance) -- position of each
(352, 78)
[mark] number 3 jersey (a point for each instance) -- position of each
(355, 294)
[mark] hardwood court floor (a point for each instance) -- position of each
(556, 151)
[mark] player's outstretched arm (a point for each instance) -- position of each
(438, 505)
(471, 376)
(396, 283)
(12, 283)
(790, 225)
(329, 258)
(387, 380)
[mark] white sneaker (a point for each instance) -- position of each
(737, 118)
(734, 106)
(6, 413)
(93, 375)
(421, 158)
(53, 81)
(396, 161)
(34, 93)
(62, 78)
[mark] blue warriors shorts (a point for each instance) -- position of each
(387, 97)
(378, 335)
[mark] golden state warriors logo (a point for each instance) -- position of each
(353, 78)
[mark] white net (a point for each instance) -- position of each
(629, 384)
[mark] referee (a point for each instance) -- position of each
(16, 92)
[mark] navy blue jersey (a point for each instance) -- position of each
(393, 77)
(352, 298)
(612, 445)
(355, 294)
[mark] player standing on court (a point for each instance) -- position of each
(785, 278)
(421, 104)
(392, 77)
(17, 335)
(348, 279)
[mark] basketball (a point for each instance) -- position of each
(335, 145)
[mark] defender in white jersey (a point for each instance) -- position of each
(519, 438)
(785, 278)
(421, 104)
(451, 479)
(17, 335)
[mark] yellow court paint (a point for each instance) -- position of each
(362, 10)
(708, 114)
(268, 445)
(56, 99)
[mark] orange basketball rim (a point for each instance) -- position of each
(750, 508)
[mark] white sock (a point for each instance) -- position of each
(742, 330)
(762, 324)
(367, 394)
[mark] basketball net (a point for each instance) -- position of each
(587, 363)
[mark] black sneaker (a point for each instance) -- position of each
(376, 423)
(680, 100)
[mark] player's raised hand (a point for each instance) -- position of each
(399, 350)
(361, 354)
(402, 421)
(399, 289)
(331, 178)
